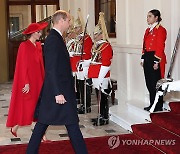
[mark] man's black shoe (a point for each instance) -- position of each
(147, 108)
(102, 121)
(156, 110)
(95, 119)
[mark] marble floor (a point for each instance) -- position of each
(54, 132)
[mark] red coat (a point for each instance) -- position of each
(29, 69)
(105, 56)
(155, 41)
(87, 50)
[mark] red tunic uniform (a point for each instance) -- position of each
(87, 50)
(155, 41)
(29, 70)
(104, 59)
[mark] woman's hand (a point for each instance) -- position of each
(26, 88)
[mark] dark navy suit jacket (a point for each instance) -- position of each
(58, 80)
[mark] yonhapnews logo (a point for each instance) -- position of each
(113, 142)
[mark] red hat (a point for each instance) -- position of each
(34, 27)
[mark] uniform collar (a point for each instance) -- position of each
(152, 26)
(57, 31)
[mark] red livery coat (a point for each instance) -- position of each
(105, 56)
(29, 70)
(87, 50)
(155, 41)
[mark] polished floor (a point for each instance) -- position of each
(54, 132)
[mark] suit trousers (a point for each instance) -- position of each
(151, 78)
(74, 133)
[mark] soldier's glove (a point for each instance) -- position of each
(103, 71)
(83, 63)
(80, 65)
(86, 63)
(71, 54)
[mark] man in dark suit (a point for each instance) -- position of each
(58, 100)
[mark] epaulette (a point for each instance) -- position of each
(157, 26)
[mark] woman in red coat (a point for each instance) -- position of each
(153, 55)
(28, 79)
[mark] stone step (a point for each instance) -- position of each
(137, 107)
(124, 117)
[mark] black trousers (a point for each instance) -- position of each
(74, 133)
(88, 92)
(104, 105)
(151, 78)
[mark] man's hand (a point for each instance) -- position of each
(26, 88)
(60, 99)
(155, 66)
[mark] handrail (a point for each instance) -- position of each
(19, 33)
